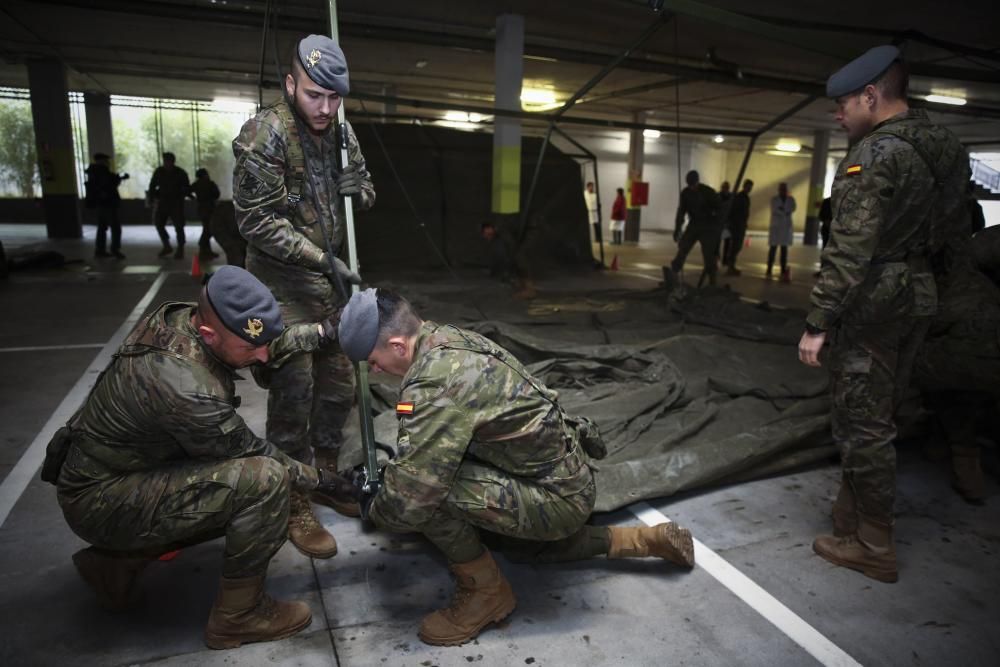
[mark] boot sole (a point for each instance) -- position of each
(680, 550)
(458, 640)
(219, 642)
(322, 555)
(885, 576)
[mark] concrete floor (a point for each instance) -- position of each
(759, 596)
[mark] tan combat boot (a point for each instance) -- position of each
(244, 613)
(482, 596)
(871, 551)
(967, 475)
(844, 512)
(306, 532)
(344, 505)
(666, 540)
(111, 577)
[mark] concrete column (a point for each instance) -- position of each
(99, 135)
(54, 143)
(507, 131)
(636, 157)
(817, 177)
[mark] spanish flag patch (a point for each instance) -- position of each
(853, 170)
(404, 408)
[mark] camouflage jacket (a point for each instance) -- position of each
(465, 397)
(284, 234)
(165, 398)
(889, 210)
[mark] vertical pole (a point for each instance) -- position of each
(817, 176)
(372, 480)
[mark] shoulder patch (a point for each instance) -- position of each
(853, 170)
(403, 409)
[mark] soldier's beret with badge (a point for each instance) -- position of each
(358, 328)
(861, 71)
(244, 305)
(324, 63)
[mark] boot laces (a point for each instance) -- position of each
(302, 514)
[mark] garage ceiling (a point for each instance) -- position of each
(729, 69)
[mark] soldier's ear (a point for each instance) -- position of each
(290, 86)
(208, 334)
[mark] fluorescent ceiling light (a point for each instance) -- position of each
(946, 99)
(651, 134)
(538, 99)
(788, 146)
(718, 138)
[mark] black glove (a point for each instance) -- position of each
(329, 327)
(342, 269)
(349, 182)
(333, 484)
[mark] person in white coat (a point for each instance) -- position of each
(780, 232)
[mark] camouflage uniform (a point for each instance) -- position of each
(310, 396)
(485, 446)
(169, 187)
(160, 458)
(701, 205)
(877, 287)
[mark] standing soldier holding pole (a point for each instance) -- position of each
(289, 197)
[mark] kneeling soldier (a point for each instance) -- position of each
(158, 458)
(482, 445)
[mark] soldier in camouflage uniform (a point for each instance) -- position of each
(157, 457)
(168, 187)
(483, 446)
(876, 290)
(288, 194)
(701, 205)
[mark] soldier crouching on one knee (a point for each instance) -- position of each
(483, 446)
(158, 458)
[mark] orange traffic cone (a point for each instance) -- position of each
(195, 266)
(614, 263)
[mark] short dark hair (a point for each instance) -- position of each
(894, 83)
(201, 171)
(396, 316)
(169, 156)
(747, 182)
(621, 191)
(692, 177)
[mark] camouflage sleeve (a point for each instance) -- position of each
(854, 236)
(295, 339)
(259, 191)
(431, 444)
(357, 159)
(208, 427)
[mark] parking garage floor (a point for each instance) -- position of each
(758, 595)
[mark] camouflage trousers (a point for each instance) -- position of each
(309, 396)
(146, 514)
(708, 236)
(523, 518)
(870, 368)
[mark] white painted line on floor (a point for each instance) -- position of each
(27, 466)
(800, 632)
(46, 348)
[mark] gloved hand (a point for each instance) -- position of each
(333, 484)
(349, 182)
(329, 329)
(342, 269)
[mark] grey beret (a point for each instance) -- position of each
(244, 305)
(358, 328)
(861, 71)
(325, 63)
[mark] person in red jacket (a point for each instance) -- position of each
(618, 218)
